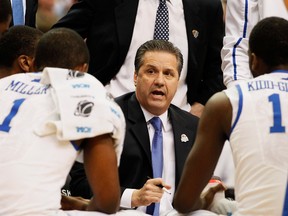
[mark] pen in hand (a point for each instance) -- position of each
(160, 186)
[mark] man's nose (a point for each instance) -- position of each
(160, 79)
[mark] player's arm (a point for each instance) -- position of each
(100, 162)
(212, 132)
(241, 16)
(74, 203)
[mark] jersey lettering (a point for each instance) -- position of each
(5, 126)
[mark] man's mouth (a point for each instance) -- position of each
(157, 92)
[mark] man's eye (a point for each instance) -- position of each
(168, 73)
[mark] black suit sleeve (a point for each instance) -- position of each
(79, 185)
(208, 77)
(78, 18)
(213, 75)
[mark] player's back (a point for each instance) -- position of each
(33, 168)
(259, 142)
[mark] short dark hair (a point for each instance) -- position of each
(5, 10)
(269, 41)
(158, 45)
(18, 40)
(61, 47)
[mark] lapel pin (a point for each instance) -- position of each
(195, 33)
(184, 138)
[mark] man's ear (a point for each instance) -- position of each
(25, 63)
(82, 68)
(135, 78)
(258, 66)
(253, 62)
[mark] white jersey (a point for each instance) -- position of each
(36, 153)
(241, 17)
(259, 143)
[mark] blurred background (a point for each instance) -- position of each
(50, 11)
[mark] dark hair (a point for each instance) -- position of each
(61, 47)
(18, 40)
(5, 10)
(269, 41)
(157, 45)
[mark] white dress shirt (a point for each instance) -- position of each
(168, 174)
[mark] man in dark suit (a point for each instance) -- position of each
(157, 69)
(114, 29)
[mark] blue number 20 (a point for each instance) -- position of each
(277, 117)
(5, 126)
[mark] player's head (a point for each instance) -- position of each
(17, 49)
(5, 15)
(268, 46)
(63, 48)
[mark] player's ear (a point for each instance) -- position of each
(82, 68)
(25, 63)
(253, 61)
(257, 65)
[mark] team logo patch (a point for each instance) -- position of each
(72, 74)
(84, 108)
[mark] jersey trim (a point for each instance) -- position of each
(76, 147)
(239, 40)
(240, 105)
(280, 71)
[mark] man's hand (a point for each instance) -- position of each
(74, 203)
(151, 192)
(197, 109)
(209, 194)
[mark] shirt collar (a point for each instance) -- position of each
(164, 118)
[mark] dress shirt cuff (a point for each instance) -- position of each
(126, 198)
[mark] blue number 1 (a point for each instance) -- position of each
(277, 116)
(5, 126)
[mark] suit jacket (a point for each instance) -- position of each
(31, 10)
(108, 26)
(135, 163)
(30, 14)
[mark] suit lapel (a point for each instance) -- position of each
(139, 126)
(193, 27)
(182, 146)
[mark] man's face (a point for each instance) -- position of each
(156, 82)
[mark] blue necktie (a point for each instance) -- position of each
(18, 15)
(161, 30)
(157, 159)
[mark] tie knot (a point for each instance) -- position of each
(156, 122)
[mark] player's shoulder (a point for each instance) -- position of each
(219, 102)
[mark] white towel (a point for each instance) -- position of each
(84, 107)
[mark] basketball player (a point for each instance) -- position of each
(44, 118)
(253, 115)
